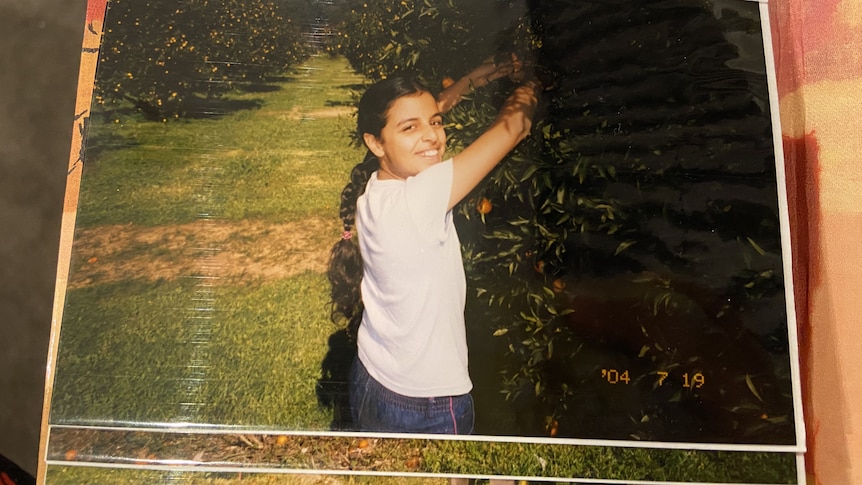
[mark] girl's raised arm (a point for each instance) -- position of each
(511, 126)
(481, 75)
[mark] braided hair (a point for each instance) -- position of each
(345, 259)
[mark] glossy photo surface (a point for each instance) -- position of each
(628, 278)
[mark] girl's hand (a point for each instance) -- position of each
(482, 75)
(491, 70)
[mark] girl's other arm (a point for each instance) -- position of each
(481, 75)
(512, 125)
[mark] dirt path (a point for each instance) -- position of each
(238, 251)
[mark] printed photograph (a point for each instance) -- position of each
(484, 222)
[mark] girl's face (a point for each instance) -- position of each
(413, 138)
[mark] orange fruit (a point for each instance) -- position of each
(363, 443)
(484, 206)
(553, 427)
(539, 266)
(559, 285)
(447, 81)
(281, 440)
(71, 455)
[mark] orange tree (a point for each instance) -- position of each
(163, 55)
(626, 258)
(434, 38)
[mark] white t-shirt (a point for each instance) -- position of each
(412, 338)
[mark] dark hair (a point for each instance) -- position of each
(375, 103)
(345, 260)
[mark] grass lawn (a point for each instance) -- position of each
(143, 347)
(60, 475)
(141, 352)
(287, 159)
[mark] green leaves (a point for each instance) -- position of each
(637, 179)
(162, 55)
(431, 38)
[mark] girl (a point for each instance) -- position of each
(402, 290)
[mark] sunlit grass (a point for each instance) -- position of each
(286, 159)
(163, 352)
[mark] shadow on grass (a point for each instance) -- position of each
(353, 87)
(95, 143)
(268, 84)
(193, 107)
(209, 108)
(280, 79)
(333, 386)
(258, 87)
(331, 103)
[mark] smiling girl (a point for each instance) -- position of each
(402, 287)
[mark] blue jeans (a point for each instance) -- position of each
(377, 409)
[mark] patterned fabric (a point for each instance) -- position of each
(818, 52)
